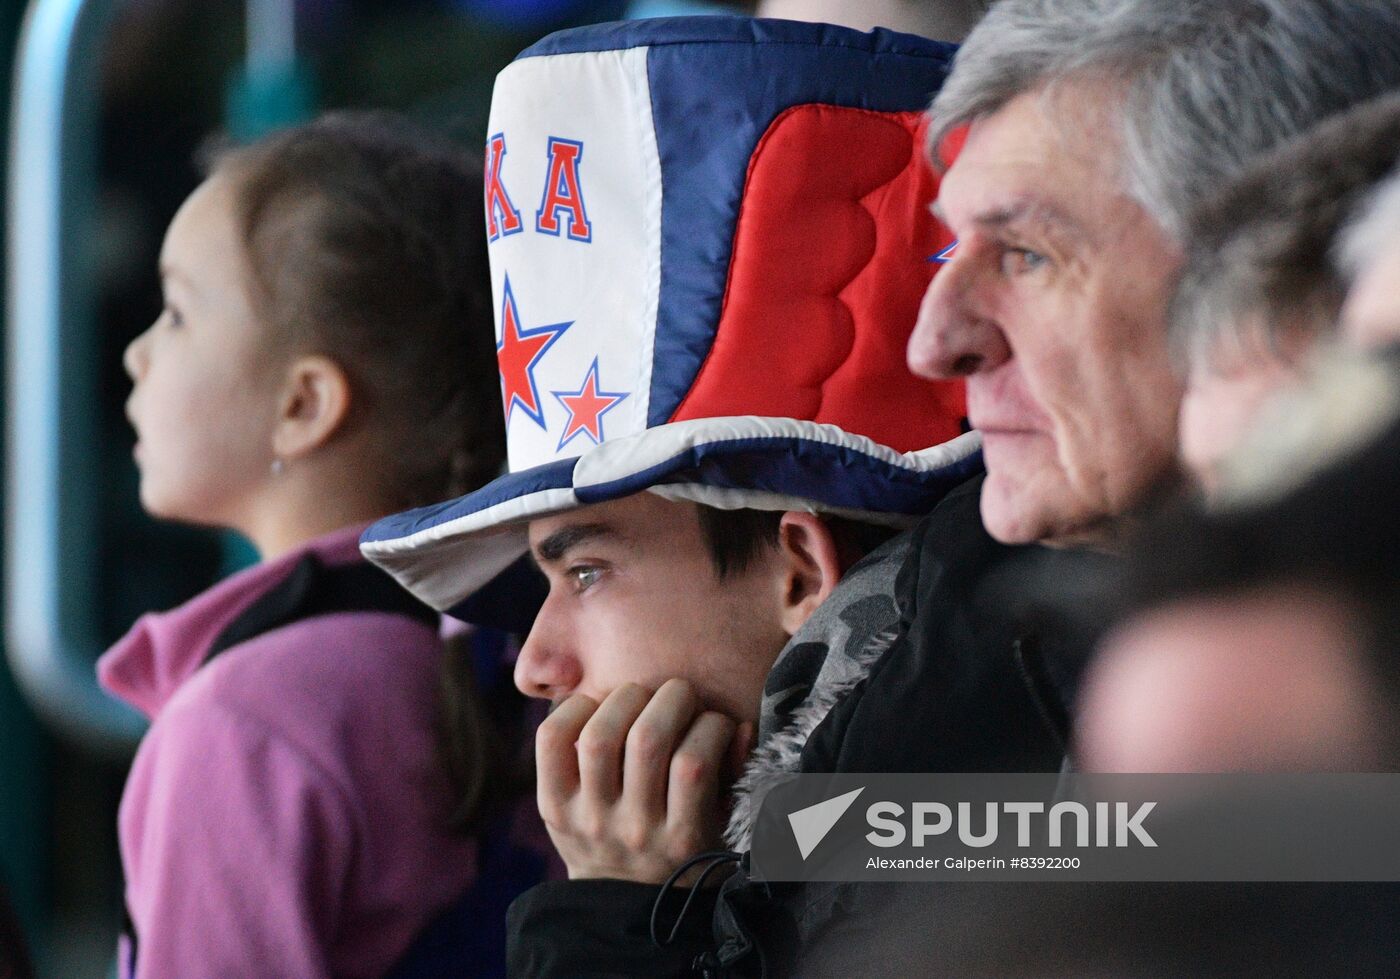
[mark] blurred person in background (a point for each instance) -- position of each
(1253, 303)
(1260, 636)
(1369, 256)
(1256, 298)
(323, 356)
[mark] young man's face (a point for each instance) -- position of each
(634, 598)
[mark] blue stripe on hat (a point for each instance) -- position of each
(550, 476)
(836, 476)
(710, 29)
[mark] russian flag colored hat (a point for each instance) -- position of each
(709, 237)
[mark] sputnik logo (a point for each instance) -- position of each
(810, 825)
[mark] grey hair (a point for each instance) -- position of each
(1372, 231)
(1206, 84)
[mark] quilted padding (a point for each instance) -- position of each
(843, 361)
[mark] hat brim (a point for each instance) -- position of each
(446, 553)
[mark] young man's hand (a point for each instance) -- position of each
(630, 788)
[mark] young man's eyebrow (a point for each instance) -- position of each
(559, 543)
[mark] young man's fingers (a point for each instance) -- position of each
(695, 774)
(556, 757)
(651, 742)
(600, 743)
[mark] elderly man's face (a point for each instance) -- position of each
(1371, 316)
(1053, 306)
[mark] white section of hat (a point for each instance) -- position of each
(606, 286)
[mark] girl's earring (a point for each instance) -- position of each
(277, 466)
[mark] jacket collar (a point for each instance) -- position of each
(829, 656)
(164, 649)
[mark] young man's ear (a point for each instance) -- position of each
(811, 566)
(314, 404)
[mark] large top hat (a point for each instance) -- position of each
(709, 239)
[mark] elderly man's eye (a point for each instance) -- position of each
(1018, 261)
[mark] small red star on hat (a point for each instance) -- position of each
(586, 407)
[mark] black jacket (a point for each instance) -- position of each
(974, 682)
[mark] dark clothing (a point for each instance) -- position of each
(970, 685)
(968, 682)
(600, 929)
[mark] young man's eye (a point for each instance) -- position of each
(173, 316)
(584, 576)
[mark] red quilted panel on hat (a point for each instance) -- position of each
(831, 259)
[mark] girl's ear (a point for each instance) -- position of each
(314, 404)
(811, 566)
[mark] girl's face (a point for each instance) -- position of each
(205, 382)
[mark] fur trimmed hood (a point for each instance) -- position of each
(829, 657)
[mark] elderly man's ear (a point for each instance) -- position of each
(810, 565)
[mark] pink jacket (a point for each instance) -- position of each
(283, 817)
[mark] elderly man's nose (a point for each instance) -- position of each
(950, 338)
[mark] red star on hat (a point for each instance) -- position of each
(517, 353)
(586, 407)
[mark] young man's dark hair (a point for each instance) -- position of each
(736, 537)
